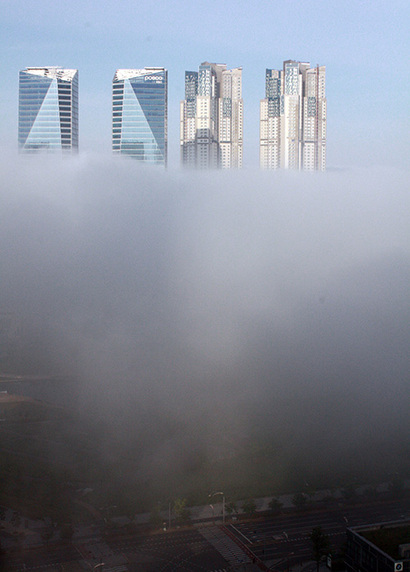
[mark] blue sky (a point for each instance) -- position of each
(364, 45)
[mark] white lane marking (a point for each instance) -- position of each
(245, 537)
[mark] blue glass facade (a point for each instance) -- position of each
(48, 110)
(273, 92)
(139, 114)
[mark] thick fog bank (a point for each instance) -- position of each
(198, 309)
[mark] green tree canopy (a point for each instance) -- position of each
(275, 505)
(299, 500)
(320, 545)
(249, 507)
(181, 511)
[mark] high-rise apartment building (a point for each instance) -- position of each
(211, 127)
(48, 110)
(293, 118)
(140, 114)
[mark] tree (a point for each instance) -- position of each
(349, 493)
(231, 508)
(275, 505)
(370, 493)
(320, 545)
(396, 486)
(299, 500)
(47, 533)
(3, 559)
(249, 507)
(66, 531)
(155, 516)
(181, 511)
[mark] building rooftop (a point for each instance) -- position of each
(390, 538)
(53, 72)
(129, 73)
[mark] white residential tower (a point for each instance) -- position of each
(211, 128)
(293, 118)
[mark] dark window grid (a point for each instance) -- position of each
(27, 117)
(29, 86)
(29, 101)
(138, 121)
(32, 92)
(151, 102)
(156, 88)
(147, 86)
(152, 96)
(148, 107)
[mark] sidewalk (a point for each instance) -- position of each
(204, 512)
(17, 529)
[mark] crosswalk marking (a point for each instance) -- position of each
(226, 547)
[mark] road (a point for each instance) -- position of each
(281, 541)
(284, 540)
(185, 550)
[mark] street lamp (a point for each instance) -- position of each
(223, 503)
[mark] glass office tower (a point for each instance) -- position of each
(140, 114)
(48, 110)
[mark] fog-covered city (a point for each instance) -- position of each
(221, 301)
(204, 301)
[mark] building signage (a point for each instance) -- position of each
(156, 78)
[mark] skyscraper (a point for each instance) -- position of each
(48, 110)
(293, 118)
(211, 127)
(139, 114)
